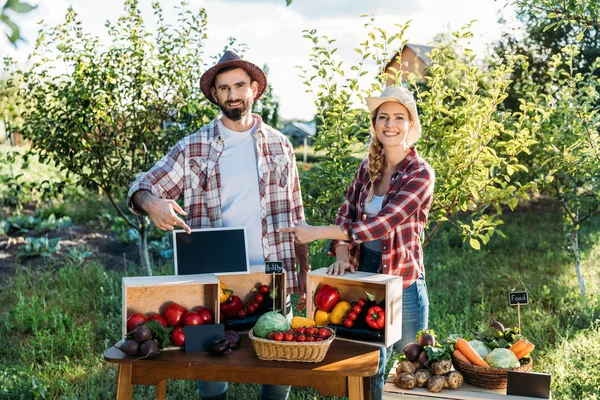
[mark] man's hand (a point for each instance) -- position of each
(161, 211)
(303, 233)
(340, 267)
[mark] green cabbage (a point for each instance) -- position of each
(270, 322)
(480, 348)
(502, 358)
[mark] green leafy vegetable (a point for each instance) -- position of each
(270, 322)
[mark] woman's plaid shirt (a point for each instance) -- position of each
(400, 222)
(191, 169)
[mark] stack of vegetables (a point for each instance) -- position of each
(363, 319)
(426, 363)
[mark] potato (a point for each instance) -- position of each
(422, 376)
(454, 379)
(441, 367)
(405, 380)
(435, 384)
(405, 366)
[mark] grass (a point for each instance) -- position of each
(57, 321)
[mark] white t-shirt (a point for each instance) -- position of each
(371, 209)
(240, 199)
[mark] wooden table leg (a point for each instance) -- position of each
(355, 388)
(161, 390)
(124, 385)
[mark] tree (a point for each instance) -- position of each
(18, 7)
(464, 139)
(268, 105)
(115, 110)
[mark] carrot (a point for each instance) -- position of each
(528, 348)
(470, 353)
(461, 357)
(518, 346)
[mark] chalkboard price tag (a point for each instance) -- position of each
(273, 267)
(516, 298)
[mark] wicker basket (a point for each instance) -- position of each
(290, 351)
(488, 378)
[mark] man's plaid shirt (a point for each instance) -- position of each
(191, 169)
(400, 222)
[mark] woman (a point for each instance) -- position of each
(379, 226)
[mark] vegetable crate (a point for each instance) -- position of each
(246, 285)
(150, 294)
(352, 287)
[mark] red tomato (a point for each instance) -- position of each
(206, 315)
(319, 339)
(288, 337)
(352, 315)
(259, 298)
(159, 318)
(241, 314)
(192, 318)
(272, 335)
(173, 313)
(134, 320)
(177, 336)
(361, 302)
(264, 289)
(301, 338)
(300, 331)
(348, 323)
(251, 309)
(323, 333)
(279, 336)
(310, 338)
(255, 304)
(357, 309)
(311, 330)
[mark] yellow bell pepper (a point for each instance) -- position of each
(224, 293)
(300, 322)
(322, 317)
(339, 312)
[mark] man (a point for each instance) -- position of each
(234, 171)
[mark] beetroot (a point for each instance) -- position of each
(495, 324)
(426, 339)
(130, 347)
(141, 333)
(149, 349)
(423, 359)
(234, 339)
(411, 351)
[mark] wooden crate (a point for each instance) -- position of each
(150, 294)
(353, 287)
(246, 285)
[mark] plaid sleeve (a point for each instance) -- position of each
(164, 180)
(297, 206)
(347, 213)
(413, 195)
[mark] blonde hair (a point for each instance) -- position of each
(376, 155)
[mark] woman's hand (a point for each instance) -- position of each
(339, 267)
(303, 233)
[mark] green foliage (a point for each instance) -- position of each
(15, 6)
(464, 138)
(584, 13)
(268, 105)
(39, 247)
(25, 223)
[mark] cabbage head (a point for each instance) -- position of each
(480, 348)
(270, 322)
(502, 358)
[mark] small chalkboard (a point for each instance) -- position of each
(199, 338)
(273, 267)
(528, 384)
(211, 250)
(515, 298)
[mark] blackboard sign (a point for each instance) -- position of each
(528, 384)
(199, 338)
(274, 267)
(515, 298)
(212, 250)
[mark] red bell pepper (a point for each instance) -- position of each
(326, 298)
(231, 306)
(376, 317)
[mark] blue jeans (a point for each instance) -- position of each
(415, 314)
(208, 389)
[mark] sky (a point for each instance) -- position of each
(273, 32)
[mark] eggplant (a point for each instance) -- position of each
(365, 334)
(244, 324)
(219, 347)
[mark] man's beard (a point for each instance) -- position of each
(235, 114)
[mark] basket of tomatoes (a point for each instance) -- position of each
(302, 344)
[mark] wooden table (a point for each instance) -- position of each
(345, 371)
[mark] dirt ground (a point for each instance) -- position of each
(105, 246)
